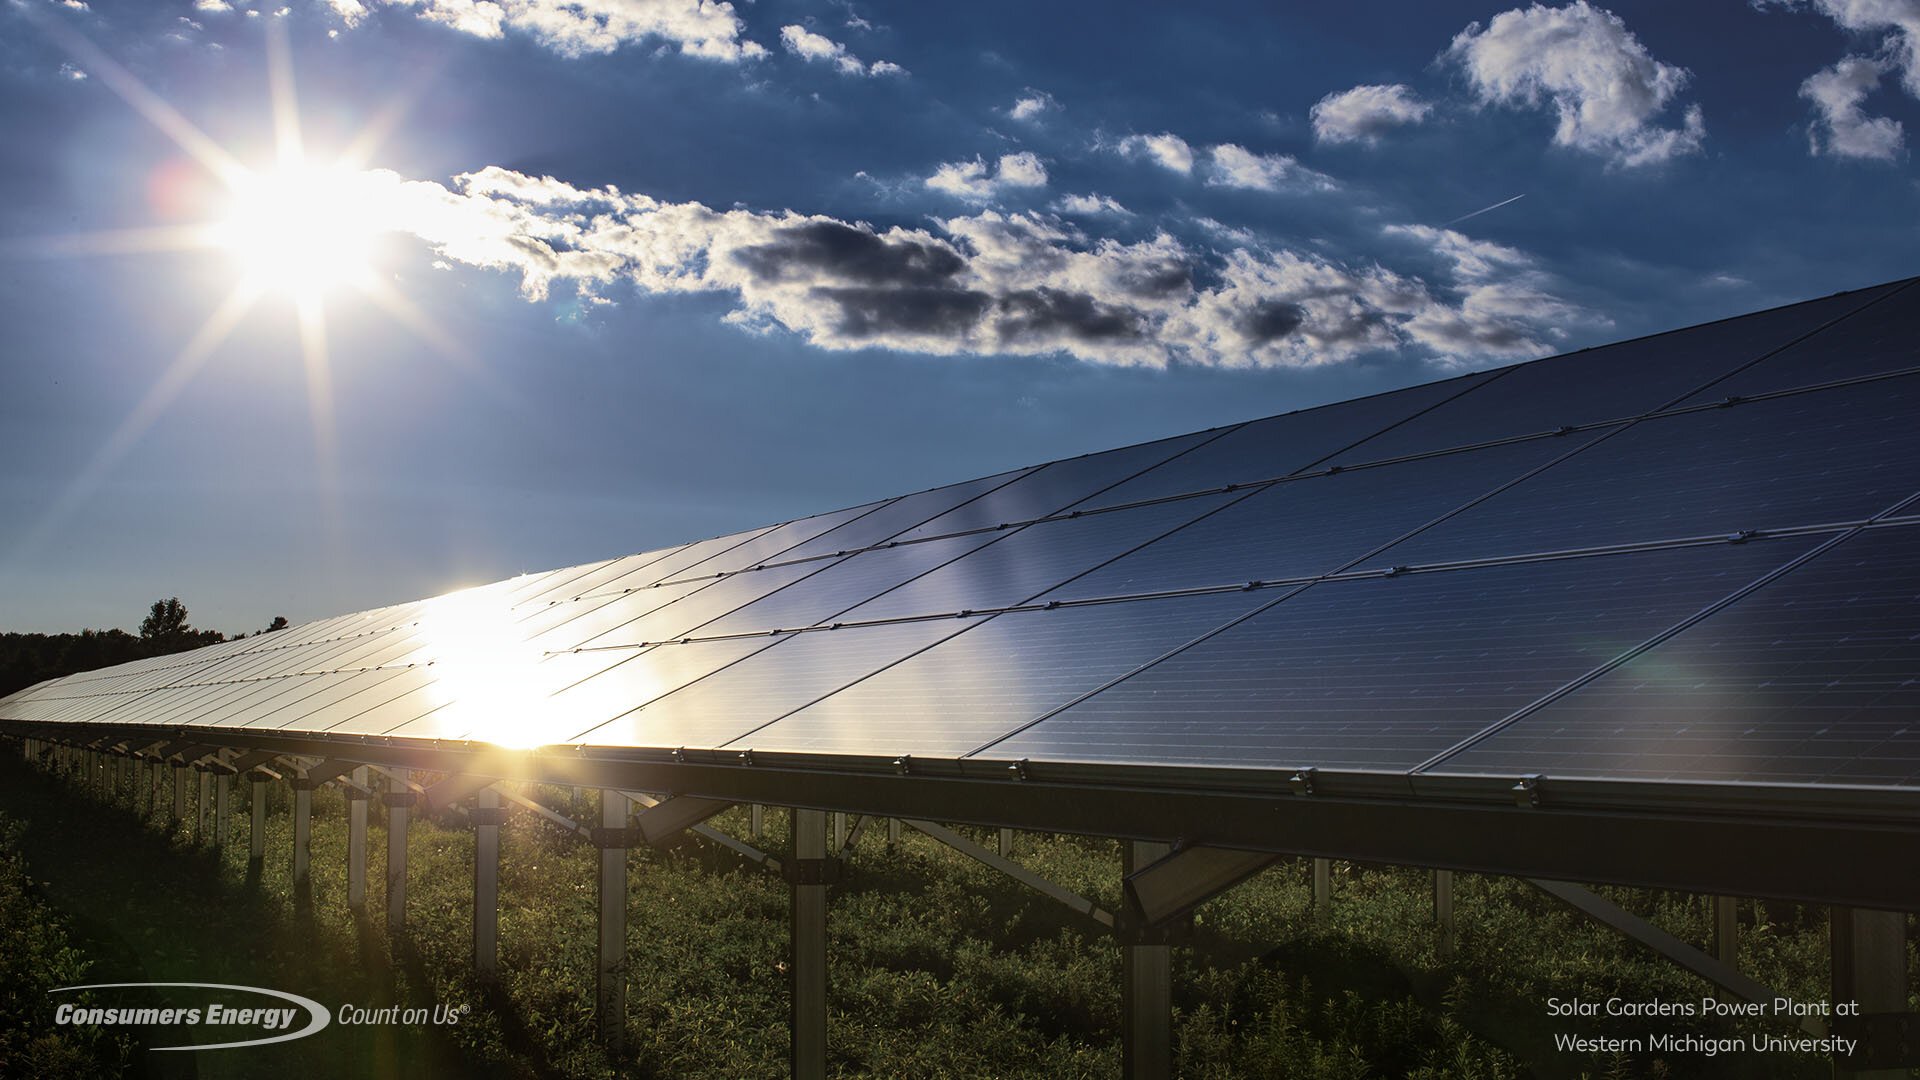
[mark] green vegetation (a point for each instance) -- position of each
(26, 659)
(940, 967)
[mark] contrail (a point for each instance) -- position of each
(1484, 209)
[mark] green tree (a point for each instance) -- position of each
(166, 622)
(279, 623)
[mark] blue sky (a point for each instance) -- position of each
(555, 280)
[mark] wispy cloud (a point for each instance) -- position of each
(1167, 150)
(704, 28)
(1232, 165)
(1842, 128)
(1365, 113)
(984, 283)
(1605, 87)
(818, 48)
(1091, 204)
(972, 179)
(1031, 105)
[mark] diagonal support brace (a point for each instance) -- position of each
(1176, 883)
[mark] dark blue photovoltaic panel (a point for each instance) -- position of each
(1027, 562)
(634, 677)
(695, 610)
(1056, 487)
(334, 710)
(794, 671)
(1876, 339)
(640, 571)
(1813, 679)
(1384, 673)
(1611, 382)
(1827, 456)
(1315, 525)
(773, 545)
(825, 596)
(1279, 445)
(565, 586)
(898, 516)
(980, 685)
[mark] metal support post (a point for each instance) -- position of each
(357, 841)
(203, 811)
(180, 796)
(487, 816)
(257, 841)
(398, 800)
(302, 840)
(808, 1023)
(1726, 930)
(756, 821)
(893, 833)
(837, 839)
(1006, 843)
(1322, 887)
(1443, 910)
(1870, 969)
(222, 812)
(610, 986)
(1146, 987)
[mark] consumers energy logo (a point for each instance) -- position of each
(210, 1012)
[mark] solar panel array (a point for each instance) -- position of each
(1689, 557)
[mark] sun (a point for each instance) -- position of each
(301, 230)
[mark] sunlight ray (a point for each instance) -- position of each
(136, 241)
(286, 102)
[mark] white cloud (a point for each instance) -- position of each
(1365, 113)
(817, 48)
(72, 73)
(987, 282)
(1899, 20)
(1091, 204)
(212, 7)
(1842, 128)
(1606, 89)
(704, 28)
(1166, 149)
(1030, 105)
(1236, 166)
(970, 180)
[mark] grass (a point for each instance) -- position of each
(939, 966)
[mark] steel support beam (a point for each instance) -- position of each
(1146, 986)
(257, 840)
(1443, 911)
(302, 842)
(893, 834)
(808, 1023)
(1322, 888)
(180, 796)
(357, 841)
(610, 982)
(487, 817)
(1015, 871)
(398, 803)
(203, 810)
(1172, 886)
(1726, 930)
(662, 822)
(1006, 843)
(222, 810)
(1870, 969)
(756, 821)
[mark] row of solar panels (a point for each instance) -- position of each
(1804, 681)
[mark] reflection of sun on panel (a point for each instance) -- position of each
(303, 230)
(484, 668)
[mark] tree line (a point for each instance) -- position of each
(26, 659)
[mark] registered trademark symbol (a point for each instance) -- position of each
(464, 1009)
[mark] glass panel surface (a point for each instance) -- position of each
(1385, 673)
(1877, 338)
(1826, 456)
(794, 671)
(1314, 525)
(636, 677)
(978, 686)
(824, 596)
(1057, 486)
(1813, 679)
(896, 517)
(1610, 382)
(1026, 563)
(1280, 445)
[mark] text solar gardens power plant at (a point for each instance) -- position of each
(1645, 614)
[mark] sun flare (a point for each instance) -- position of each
(301, 230)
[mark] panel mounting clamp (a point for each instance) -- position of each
(1301, 783)
(1018, 769)
(1526, 793)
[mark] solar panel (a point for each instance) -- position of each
(1383, 673)
(1609, 382)
(898, 516)
(1827, 456)
(1315, 525)
(978, 686)
(1879, 338)
(1813, 679)
(1279, 445)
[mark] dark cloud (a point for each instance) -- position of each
(847, 253)
(1271, 320)
(1040, 314)
(868, 313)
